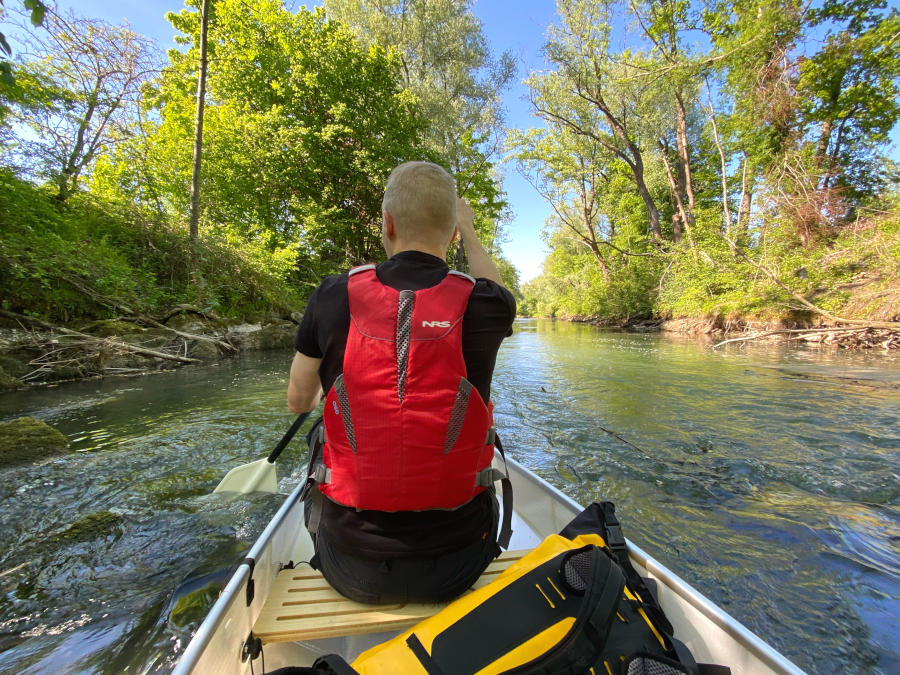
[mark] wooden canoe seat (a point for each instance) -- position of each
(302, 606)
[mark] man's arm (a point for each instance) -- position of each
(480, 263)
(304, 387)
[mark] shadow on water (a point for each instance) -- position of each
(768, 477)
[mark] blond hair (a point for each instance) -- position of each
(421, 198)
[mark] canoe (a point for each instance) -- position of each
(219, 643)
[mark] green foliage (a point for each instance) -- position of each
(92, 259)
(856, 275)
(572, 285)
(850, 90)
(771, 137)
(509, 275)
(9, 91)
(302, 127)
(447, 64)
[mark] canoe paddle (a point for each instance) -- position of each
(259, 476)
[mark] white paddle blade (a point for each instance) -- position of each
(258, 476)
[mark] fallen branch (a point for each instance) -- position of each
(186, 309)
(792, 331)
(118, 305)
(13, 569)
(615, 435)
(190, 336)
(124, 346)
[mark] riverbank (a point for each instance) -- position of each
(34, 352)
(808, 330)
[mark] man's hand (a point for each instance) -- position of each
(480, 263)
(465, 221)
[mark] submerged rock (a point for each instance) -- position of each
(7, 381)
(27, 439)
(111, 328)
(99, 524)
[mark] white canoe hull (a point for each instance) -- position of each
(712, 635)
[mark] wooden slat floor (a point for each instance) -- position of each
(302, 606)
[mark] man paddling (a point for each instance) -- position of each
(402, 506)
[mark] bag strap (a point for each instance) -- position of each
(615, 541)
(505, 533)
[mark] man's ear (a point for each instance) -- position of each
(389, 231)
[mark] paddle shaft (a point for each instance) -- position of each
(282, 444)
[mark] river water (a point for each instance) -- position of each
(766, 476)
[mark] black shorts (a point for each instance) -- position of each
(408, 579)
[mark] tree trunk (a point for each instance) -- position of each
(724, 169)
(71, 168)
(652, 211)
(746, 203)
(684, 158)
(198, 125)
(677, 229)
(824, 140)
(678, 202)
(747, 184)
(636, 161)
(604, 268)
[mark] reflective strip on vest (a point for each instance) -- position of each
(404, 429)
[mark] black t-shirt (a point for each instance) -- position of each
(323, 334)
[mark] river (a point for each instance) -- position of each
(767, 476)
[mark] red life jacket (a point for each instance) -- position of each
(404, 428)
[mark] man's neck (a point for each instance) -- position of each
(436, 251)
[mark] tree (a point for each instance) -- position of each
(598, 96)
(197, 162)
(301, 129)
(849, 91)
(90, 74)
(447, 64)
(752, 45)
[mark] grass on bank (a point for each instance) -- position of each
(89, 259)
(855, 275)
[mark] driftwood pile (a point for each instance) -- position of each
(850, 337)
(62, 351)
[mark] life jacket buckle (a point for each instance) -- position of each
(322, 474)
(489, 476)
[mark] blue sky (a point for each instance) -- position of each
(518, 27)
